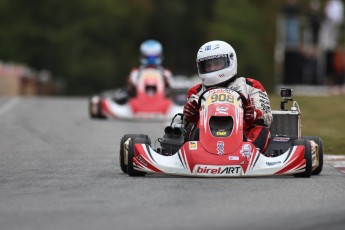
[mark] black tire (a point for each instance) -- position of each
(130, 168)
(307, 156)
(122, 142)
(99, 110)
(98, 114)
(91, 114)
(319, 142)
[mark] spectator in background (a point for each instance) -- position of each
(330, 33)
(337, 78)
(293, 59)
(334, 15)
(311, 63)
(315, 20)
(291, 23)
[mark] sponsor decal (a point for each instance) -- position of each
(211, 57)
(236, 88)
(142, 160)
(221, 109)
(282, 139)
(224, 113)
(220, 147)
(217, 170)
(273, 163)
(221, 133)
(246, 150)
(234, 158)
(207, 47)
(220, 90)
(193, 145)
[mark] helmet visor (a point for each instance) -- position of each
(212, 64)
(151, 60)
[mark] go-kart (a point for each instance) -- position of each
(150, 101)
(218, 147)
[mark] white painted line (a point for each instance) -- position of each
(334, 157)
(337, 161)
(9, 105)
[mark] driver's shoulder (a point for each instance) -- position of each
(249, 83)
(239, 82)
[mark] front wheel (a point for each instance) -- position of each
(307, 156)
(130, 167)
(124, 150)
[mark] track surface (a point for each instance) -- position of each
(59, 170)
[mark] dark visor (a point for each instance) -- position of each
(213, 64)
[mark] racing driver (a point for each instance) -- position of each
(150, 57)
(217, 67)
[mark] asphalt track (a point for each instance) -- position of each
(59, 170)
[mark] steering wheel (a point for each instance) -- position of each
(243, 98)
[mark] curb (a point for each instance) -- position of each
(337, 161)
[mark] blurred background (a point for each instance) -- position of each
(80, 47)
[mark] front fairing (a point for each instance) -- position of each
(221, 123)
(193, 160)
(150, 97)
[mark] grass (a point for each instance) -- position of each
(322, 116)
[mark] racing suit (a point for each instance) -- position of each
(257, 131)
(134, 75)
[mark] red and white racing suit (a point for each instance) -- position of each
(258, 133)
(134, 75)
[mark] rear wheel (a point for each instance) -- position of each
(123, 163)
(91, 109)
(130, 167)
(99, 110)
(319, 142)
(307, 156)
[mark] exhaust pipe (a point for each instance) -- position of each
(170, 131)
(177, 132)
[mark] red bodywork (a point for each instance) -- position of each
(150, 94)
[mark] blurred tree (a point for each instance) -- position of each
(82, 40)
(180, 25)
(93, 45)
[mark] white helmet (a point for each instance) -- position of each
(216, 62)
(151, 52)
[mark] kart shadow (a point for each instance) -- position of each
(166, 176)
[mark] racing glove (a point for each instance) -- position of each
(250, 114)
(191, 112)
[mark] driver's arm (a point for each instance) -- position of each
(190, 110)
(259, 99)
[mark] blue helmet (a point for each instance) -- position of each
(151, 53)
